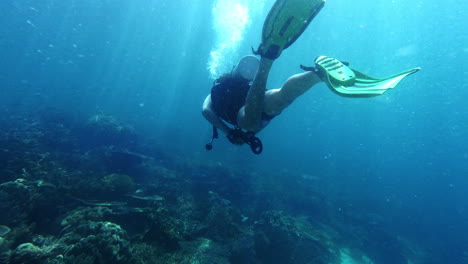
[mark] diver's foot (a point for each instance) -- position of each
(271, 51)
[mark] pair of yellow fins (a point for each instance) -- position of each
(287, 20)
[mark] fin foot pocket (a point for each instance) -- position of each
(338, 72)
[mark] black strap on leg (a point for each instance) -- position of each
(248, 137)
(209, 146)
(254, 142)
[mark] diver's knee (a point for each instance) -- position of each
(275, 102)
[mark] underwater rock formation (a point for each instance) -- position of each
(222, 219)
(109, 187)
(22, 200)
(282, 239)
(99, 202)
(98, 242)
(204, 251)
(83, 216)
(104, 130)
(123, 161)
(4, 230)
(114, 185)
(3, 247)
(27, 253)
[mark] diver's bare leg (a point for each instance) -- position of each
(250, 115)
(276, 100)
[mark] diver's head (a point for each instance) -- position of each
(247, 68)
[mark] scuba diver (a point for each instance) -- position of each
(241, 99)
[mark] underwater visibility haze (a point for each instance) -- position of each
(102, 141)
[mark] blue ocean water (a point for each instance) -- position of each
(151, 63)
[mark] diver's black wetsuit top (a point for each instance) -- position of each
(228, 97)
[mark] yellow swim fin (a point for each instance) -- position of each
(285, 22)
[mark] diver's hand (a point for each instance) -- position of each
(236, 137)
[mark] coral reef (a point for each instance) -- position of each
(27, 253)
(26, 202)
(204, 251)
(4, 230)
(100, 195)
(98, 242)
(102, 130)
(283, 239)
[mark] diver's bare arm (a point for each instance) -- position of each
(254, 102)
(211, 116)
